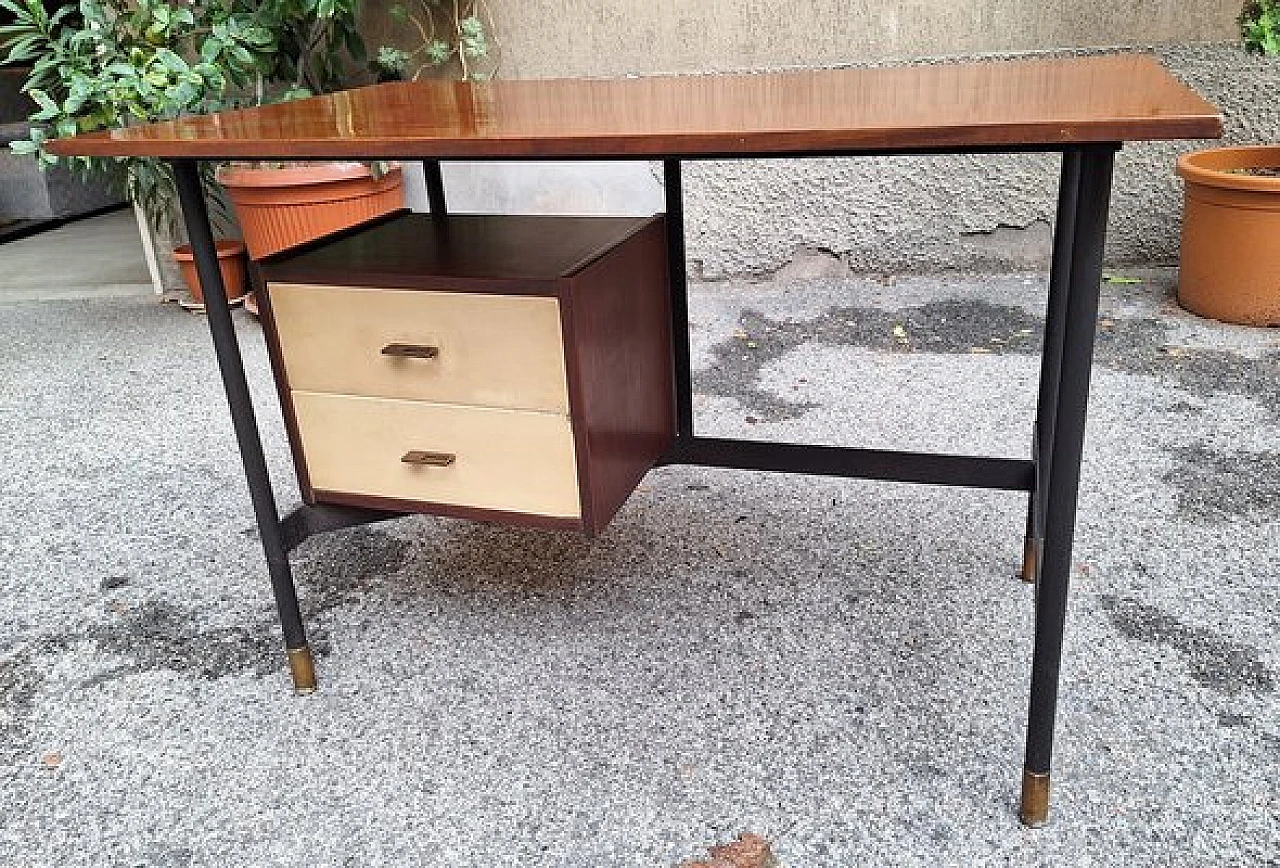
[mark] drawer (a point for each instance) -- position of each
(507, 460)
(489, 350)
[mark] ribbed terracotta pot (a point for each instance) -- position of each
(282, 208)
(1230, 263)
(231, 262)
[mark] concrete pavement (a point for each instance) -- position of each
(839, 666)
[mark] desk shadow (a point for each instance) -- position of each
(733, 546)
(724, 640)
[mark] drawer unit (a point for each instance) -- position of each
(497, 367)
(476, 457)
(454, 347)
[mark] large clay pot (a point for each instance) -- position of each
(1230, 268)
(231, 262)
(282, 208)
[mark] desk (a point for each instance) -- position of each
(1083, 108)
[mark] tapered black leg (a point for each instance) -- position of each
(231, 366)
(1079, 323)
(679, 298)
(435, 188)
(1051, 359)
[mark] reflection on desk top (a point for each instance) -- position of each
(990, 104)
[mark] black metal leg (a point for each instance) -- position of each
(679, 299)
(1051, 359)
(435, 187)
(227, 348)
(1089, 229)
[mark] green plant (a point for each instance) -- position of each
(318, 42)
(390, 64)
(113, 63)
(1260, 26)
(449, 32)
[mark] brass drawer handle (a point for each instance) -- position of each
(429, 459)
(411, 351)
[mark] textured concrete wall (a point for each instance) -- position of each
(960, 212)
(895, 214)
(869, 215)
(549, 38)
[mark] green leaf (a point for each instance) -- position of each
(210, 49)
(259, 37)
(22, 49)
(1117, 280)
(48, 108)
(171, 61)
(438, 51)
(183, 94)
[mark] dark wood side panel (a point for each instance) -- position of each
(281, 377)
(620, 376)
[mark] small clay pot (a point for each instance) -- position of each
(1230, 262)
(231, 262)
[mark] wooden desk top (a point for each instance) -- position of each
(1112, 98)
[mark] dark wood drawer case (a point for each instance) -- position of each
(496, 367)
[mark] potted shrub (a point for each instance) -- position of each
(110, 63)
(1230, 258)
(283, 205)
(117, 62)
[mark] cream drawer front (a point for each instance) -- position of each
(503, 459)
(491, 350)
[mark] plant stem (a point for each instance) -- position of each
(457, 28)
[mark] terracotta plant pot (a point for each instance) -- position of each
(231, 261)
(282, 208)
(1230, 268)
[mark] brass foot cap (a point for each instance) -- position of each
(1030, 559)
(303, 670)
(1035, 799)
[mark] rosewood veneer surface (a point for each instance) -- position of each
(1044, 102)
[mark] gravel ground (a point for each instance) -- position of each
(839, 666)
